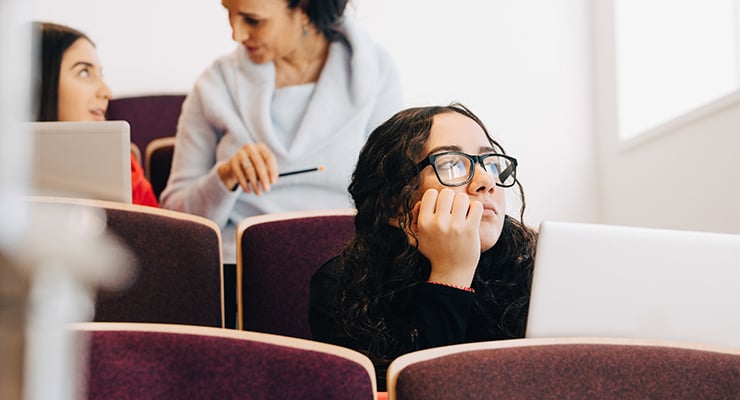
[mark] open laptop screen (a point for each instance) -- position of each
(616, 281)
(82, 159)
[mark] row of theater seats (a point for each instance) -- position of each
(136, 361)
(179, 271)
(163, 336)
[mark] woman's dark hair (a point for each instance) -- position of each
(55, 39)
(378, 265)
(325, 15)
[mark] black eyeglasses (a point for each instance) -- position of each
(454, 168)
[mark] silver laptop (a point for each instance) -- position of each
(615, 281)
(82, 159)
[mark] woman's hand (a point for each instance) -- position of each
(253, 167)
(447, 227)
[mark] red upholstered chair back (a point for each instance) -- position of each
(568, 368)
(178, 277)
(153, 361)
(150, 116)
(276, 256)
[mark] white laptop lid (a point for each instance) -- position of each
(615, 281)
(82, 159)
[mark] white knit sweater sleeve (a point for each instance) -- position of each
(194, 186)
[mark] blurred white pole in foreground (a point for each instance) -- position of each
(69, 255)
(51, 257)
(15, 79)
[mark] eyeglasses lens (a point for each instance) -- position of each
(502, 169)
(453, 169)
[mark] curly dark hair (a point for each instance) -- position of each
(378, 265)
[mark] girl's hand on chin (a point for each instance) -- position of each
(447, 227)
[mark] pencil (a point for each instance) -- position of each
(300, 171)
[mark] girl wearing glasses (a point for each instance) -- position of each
(435, 260)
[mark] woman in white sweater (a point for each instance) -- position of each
(304, 88)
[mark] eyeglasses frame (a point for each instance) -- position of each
(475, 160)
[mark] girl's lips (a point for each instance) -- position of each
(489, 208)
(98, 114)
(489, 212)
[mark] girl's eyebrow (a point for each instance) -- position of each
(83, 63)
(482, 149)
(445, 148)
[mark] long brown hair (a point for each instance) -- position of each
(55, 40)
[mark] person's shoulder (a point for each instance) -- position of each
(229, 63)
(328, 273)
(230, 71)
(221, 64)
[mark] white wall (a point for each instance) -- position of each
(523, 66)
(687, 177)
(682, 175)
(147, 46)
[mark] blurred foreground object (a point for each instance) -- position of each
(68, 254)
(15, 78)
(51, 259)
(13, 293)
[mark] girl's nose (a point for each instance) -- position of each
(482, 180)
(104, 91)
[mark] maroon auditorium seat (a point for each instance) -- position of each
(568, 368)
(276, 256)
(150, 116)
(158, 361)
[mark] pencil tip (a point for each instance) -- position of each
(321, 168)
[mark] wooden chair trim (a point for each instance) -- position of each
(127, 207)
(154, 145)
(260, 219)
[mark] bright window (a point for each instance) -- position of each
(672, 57)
